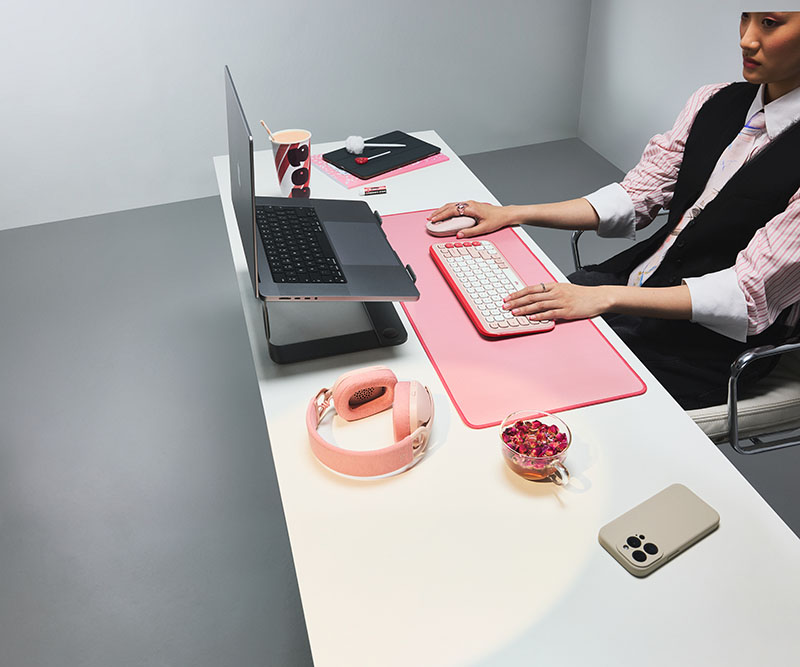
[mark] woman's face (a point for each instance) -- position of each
(770, 44)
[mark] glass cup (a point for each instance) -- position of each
(292, 152)
(535, 444)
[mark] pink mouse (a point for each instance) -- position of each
(451, 226)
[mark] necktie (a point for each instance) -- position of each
(731, 160)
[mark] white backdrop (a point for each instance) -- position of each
(108, 105)
(643, 62)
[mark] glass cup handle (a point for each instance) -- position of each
(560, 474)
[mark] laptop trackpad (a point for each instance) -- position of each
(360, 243)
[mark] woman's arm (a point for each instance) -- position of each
(768, 269)
(565, 301)
(651, 183)
(572, 214)
(649, 186)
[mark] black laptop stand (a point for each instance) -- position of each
(303, 331)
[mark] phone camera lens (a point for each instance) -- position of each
(651, 548)
(634, 542)
(639, 556)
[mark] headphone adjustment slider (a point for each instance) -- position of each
(325, 396)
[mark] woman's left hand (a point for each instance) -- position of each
(558, 301)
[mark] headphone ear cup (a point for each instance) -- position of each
(412, 408)
(364, 392)
(401, 411)
(421, 407)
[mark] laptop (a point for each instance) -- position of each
(308, 249)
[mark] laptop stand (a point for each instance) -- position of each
(303, 331)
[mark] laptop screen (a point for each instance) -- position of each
(240, 156)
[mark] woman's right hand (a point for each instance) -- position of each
(490, 218)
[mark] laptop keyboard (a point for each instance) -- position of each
(297, 248)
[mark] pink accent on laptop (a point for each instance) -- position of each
(350, 181)
(571, 366)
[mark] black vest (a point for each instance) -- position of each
(757, 192)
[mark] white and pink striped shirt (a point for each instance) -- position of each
(746, 298)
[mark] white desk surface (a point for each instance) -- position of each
(459, 562)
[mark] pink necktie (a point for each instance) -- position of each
(732, 158)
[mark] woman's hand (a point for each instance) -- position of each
(565, 301)
(489, 218)
(559, 301)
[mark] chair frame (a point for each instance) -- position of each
(758, 445)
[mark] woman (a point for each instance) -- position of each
(723, 274)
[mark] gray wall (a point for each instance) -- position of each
(644, 60)
(112, 105)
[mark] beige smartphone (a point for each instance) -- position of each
(657, 530)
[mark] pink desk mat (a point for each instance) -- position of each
(571, 366)
(349, 181)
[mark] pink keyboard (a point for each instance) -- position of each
(480, 277)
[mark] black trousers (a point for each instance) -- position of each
(691, 362)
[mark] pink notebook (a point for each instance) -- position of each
(571, 366)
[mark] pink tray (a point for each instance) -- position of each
(571, 366)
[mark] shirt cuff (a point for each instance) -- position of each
(718, 303)
(615, 210)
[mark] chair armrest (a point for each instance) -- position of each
(576, 258)
(742, 361)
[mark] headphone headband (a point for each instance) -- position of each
(351, 389)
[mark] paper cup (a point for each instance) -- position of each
(292, 151)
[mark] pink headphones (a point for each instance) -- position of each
(365, 392)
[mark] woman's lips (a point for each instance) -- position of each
(749, 63)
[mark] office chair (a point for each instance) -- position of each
(767, 420)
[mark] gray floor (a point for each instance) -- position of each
(140, 517)
(566, 169)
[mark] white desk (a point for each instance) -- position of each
(460, 562)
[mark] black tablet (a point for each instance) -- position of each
(414, 150)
